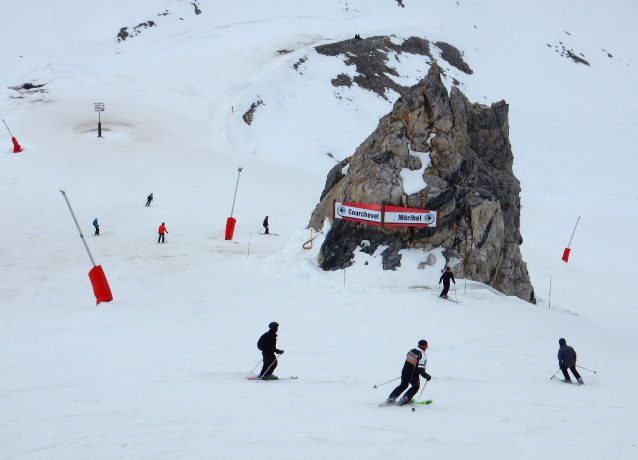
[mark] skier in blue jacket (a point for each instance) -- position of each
(567, 360)
(97, 226)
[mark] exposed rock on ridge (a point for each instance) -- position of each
(470, 181)
(370, 57)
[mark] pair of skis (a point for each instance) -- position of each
(273, 380)
(423, 403)
(446, 298)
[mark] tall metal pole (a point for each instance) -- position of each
(234, 197)
(78, 226)
(570, 240)
(5, 124)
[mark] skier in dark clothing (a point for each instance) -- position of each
(414, 367)
(265, 224)
(445, 277)
(97, 226)
(268, 345)
(567, 360)
(149, 199)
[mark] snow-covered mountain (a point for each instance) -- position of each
(160, 372)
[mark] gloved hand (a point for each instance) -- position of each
(428, 377)
(279, 352)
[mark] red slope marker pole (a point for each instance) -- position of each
(16, 147)
(567, 249)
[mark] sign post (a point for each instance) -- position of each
(386, 216)
(99, 108)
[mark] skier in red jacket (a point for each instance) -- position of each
(161, 232)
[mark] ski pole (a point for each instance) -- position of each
(419, 398)
(554, 374)
(261, 377)
(381, 384)
(586, 369)
(256, 366)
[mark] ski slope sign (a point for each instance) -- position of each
(368, 213)
(380, 214)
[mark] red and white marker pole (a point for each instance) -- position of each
(16, 147)
(231, 221)
(567, 250)
(100, 285)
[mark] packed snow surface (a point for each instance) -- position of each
(161, 371)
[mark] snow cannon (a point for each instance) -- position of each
(231, 221)
(16, 146)
(230, 228)
(566, 254)
(100, 285)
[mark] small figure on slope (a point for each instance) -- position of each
(268, 345)
(445, 277)
(567, 360)
(148, 200)
(414, 367)
(265, 224)
(161, 231)
(97, 226)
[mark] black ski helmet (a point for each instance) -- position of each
(562, 342)
(273, 325)
(423, 343)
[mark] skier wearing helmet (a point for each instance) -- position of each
(268, 345)
(414, 367)
(161, 232)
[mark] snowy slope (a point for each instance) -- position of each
(159, 373)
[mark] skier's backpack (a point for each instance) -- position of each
(260, 343)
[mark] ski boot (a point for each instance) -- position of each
(580, 382)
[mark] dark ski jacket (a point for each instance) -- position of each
(265, 224)
(416, 358)
(445, 277)
(566, 356)
(95, 223)
(268, 343)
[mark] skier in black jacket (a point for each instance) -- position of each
(265, 224)
(414, 367)
(268, 345)
(445, 277)
(567, 360)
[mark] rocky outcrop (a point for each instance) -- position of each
(371, 60)
(469, 181)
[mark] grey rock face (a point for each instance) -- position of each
(469, 181)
